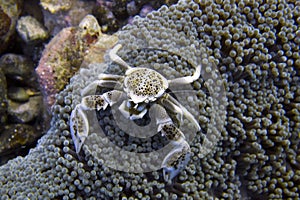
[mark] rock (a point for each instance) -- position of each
(56, 5)
(3, 98)
(69, 50)
(113, 15)
(31, 30)
(14, 136)
(5, 23)
(19, 68)
(9, 13)
(18, 94)
(56, 21)
(33, 8)
(25, 112)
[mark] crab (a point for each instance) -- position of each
(139, 87)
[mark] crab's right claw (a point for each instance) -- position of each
(79, 127)
(176, 160)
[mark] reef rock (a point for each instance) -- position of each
(63, 14)
(19, 68)
(15, 136)
(55, 6)
(31, 30)
(3, 97)
(25, 112)
(67, 52)
(9, 13)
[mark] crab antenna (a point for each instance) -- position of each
(114, 57)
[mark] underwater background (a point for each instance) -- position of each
(247, 99)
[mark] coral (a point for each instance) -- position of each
(255, 46)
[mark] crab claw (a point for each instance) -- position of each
(79, 127)
(176, 160)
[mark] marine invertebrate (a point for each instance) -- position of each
(256, 49)
(141, 87)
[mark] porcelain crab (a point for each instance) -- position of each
(139, 87)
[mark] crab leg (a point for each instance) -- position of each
(177, 159)
(172, 104)
(79, 125)
(114, 57)
(114, 77)
(106, 81)
(187, 79)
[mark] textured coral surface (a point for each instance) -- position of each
(255, 47)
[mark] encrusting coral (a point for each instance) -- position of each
(255, 46)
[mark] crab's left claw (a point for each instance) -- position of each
(176, 160)
(79, 127)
